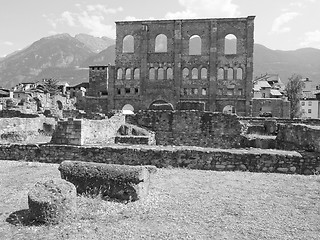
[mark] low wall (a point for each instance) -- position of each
(298, 136)
(255, 160)
(27, 125)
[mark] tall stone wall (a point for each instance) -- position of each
(190, 157)
(192, 128)
(145, 74)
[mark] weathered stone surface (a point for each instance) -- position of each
(52, 201)
(164, 156)
(110, 180)
(299, 136)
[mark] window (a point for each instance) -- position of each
(119, 73)
(194, 73)
(309, 103)
(128, 44)
(302, 103)
(230, 92)
(230, 74)
(194, 91)
(136, 74)
(136, 90)
(185, 91)
(169, 73)
(230, 44)
(161, 43)
(195, 45)
(151, 74)
(185, 73)
(239, 73)
(220, 73)
(160, 73)
(127, 90)
(240, 92)
(204, 73)
(118, 91)
(128, 73)
(309, 110)
(204, 91)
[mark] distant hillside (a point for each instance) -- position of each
(305, 61)
(42, 59)
(67, 58)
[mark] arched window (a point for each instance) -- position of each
(152, 73)
(195, 45)
(220, 73)
(185, 73)
(128, 44)
(169, 73)
(239, 73)
(194, 73)
(119, 73)
(136, 74)
(230, 74)
(204, 73)
(128, 73)
(230, 44)
(160, 73)
(161, 43)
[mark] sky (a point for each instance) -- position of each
(279, 24)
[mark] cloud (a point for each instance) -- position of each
(68, 18)
(90, 17)
(311, 39)
(277, 26)
(8, 43)
(205, 9)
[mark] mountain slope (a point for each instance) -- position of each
(60, 51)
(305, 62)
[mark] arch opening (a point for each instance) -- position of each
(161, 105)
(230, 44)
(128, 44)
(161, 43)
(195, 45)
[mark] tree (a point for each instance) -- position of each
(293, 90)
(50, 86)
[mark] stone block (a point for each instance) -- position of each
(52, 201)
(122, 182)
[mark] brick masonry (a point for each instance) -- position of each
(144, 74)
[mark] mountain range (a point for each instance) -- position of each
(67, 58)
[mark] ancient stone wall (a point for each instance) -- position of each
(278, 107)
(299, 136)
(98, 80)
(190, 157)
(192, 128)
(25, 127)
(93, 104)
(85, 131)
(183, 60)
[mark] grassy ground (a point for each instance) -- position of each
(182, 204)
